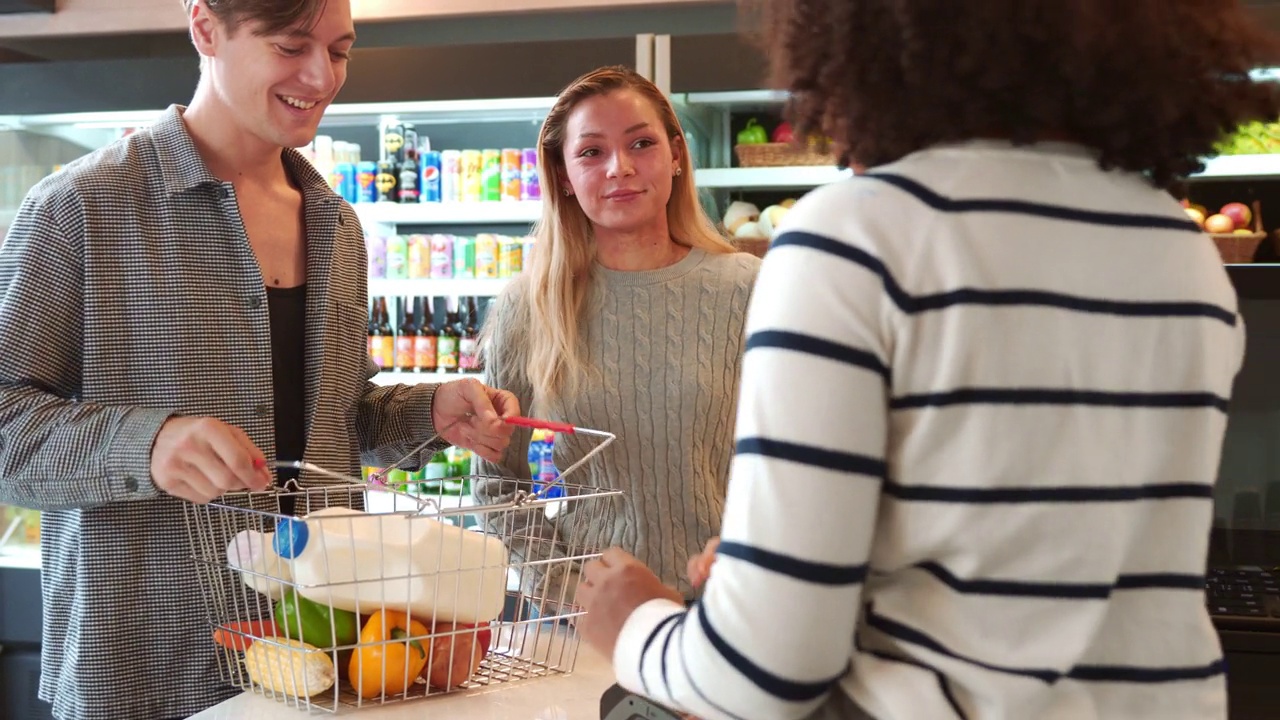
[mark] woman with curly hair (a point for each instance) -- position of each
(984, 392)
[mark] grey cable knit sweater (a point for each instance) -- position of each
(665, 348)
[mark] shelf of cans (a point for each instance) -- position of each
(442, 256)
(448, 472)
(408, 170)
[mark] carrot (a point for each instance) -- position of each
(233, 635)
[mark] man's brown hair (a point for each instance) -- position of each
(271, 16)
(1150, 84)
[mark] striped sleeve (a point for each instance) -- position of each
(774, 629)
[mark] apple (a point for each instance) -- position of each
(1239, 214)
(1184, 203)
(1196, 215)
(1244, 231)
(1219, 224)
(783, 133)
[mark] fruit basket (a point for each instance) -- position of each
(1239, 244)
(781, 155)
(372, 596)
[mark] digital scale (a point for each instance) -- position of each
(618, 703)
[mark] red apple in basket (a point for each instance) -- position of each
(1239, 213)
(1219, 224)
(453, 659)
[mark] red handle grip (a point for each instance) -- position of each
(541, 424)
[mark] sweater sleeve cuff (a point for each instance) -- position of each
(129, 459)
(627, 653)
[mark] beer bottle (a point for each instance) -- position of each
(425, 350)
(406, 337)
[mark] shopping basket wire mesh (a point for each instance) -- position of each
(369, 594)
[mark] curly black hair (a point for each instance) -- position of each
(1150, 84)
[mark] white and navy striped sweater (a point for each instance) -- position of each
(982, 408)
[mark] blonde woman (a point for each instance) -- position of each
(628, 319)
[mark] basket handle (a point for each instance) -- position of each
(557, 427)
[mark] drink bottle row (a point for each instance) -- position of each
(428, 335)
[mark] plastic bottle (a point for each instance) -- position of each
(365, 562)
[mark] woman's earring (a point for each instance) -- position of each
(679, 170)
(567, 192)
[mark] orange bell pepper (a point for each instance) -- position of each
(387, 660)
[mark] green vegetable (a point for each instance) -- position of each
(294, 613)
(753, 134)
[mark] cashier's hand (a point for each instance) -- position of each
(200, 459)
(484, 432)
(612, 587)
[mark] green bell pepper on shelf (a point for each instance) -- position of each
(295, 613)
(753, 134)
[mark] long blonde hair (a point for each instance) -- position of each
(556, 280)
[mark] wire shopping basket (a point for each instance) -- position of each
(369, 594)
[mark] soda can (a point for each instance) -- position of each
(472, 181)
(346, 185)
(511, 172)
(529, 189)
(388, 182)
(450, 176)
(366, 179)
(526, 252)
(464, 257)
(393, 143)
(509, 257)
(491, 174)
(430, 186)
(486, 257)
(441, 256)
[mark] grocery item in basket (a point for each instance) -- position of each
(290, 667)
(315, 623)
(362, 562)
(240, 635)
(253, 554)
(454, 658)
(382, 666)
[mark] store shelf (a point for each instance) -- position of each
(738, 100)
(1241, 166)
(495, 213)
(770, 178)
(396, 377)
(437, 287)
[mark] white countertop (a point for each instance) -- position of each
(575, 696)
(24, 557)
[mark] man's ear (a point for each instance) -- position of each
(204, 29)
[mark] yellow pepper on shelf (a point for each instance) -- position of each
(381, 665)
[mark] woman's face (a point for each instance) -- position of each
(619, 162)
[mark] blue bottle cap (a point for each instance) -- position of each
(291, 537)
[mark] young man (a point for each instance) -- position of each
(203, 310)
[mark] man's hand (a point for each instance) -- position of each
(484, 432)
(699, 568)
(200, 459)
(612, 587)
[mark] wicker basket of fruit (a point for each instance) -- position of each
(756, 148)
(1236, 229)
